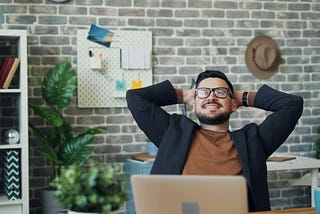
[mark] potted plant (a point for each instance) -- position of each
(60, 145)
(92, 189)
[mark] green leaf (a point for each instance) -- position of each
(59, 85)
(52, 117)
(76, 150)
(47, 151)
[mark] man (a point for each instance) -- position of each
(210, 148)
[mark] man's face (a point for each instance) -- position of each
(214, 110)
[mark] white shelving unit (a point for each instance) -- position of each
(14, 115)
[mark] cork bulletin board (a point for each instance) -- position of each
(106, 73)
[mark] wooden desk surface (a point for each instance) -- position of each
(309, 210)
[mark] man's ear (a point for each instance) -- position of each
(194, 105)
(234, 104)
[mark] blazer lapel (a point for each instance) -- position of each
(241, 146)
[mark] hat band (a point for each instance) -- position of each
(264, 57)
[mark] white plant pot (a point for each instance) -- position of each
(74, 212)
(49, 204)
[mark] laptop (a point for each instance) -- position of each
(189, 194)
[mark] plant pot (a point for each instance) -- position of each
(49, 204)
(74, 212)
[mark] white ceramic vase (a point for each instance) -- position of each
(74, 212)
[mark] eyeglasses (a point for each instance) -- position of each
(220, 92)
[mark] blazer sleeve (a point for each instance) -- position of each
(286, 108)
(145, 106)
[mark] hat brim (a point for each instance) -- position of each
(253, 44)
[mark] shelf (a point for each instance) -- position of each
(10, 91)
(5, 201)
(10, 146)
(14, 158)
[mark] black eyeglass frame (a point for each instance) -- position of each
(215, 91)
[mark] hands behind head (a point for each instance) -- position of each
(189, 96)
(238, 97)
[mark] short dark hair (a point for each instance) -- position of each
(213, 74)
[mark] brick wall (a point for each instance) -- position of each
(188, 37)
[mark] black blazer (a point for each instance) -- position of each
(254, 143)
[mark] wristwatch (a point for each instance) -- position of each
(245, 98)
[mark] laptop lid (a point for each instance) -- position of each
(189, 194)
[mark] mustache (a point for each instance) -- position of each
(212, 102)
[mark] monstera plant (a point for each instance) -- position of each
(59, 143)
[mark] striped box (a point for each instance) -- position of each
(12, 180)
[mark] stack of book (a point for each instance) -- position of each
(8, 68)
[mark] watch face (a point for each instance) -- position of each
(12, 136)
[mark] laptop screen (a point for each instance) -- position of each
(189, 194)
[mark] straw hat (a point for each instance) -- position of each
(262, 56)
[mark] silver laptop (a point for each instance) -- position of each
(189, 194)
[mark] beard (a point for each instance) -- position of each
(213, 120)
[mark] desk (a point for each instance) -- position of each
(289, 211)
(299, 163)
(144, 167)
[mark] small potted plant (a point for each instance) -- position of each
(91, 189)
(60, 144)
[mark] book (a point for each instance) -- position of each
(11, 73)
(3, 65)
(6, 68)
(280, 158)
(143, 157)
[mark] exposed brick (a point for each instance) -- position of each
(131, 12)
(112, 22)
(38, 9)
(299, 7)
(89, 2)
(169, 23)
(21, 19)
(237, 14)
(82, 20)
(146, 3)
(118, 3)
(52, 20)
(98, 11)
(213, 13)
(173, 4)
(197, 42)
(72, 10)
(196, 23)
(184, 32)
(50, 40)
(225, 4)
(263, 15)
(188, 51)
(288, 15)
(159, 13)
(170, 42)
(141, 22)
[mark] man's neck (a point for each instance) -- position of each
(217, 128)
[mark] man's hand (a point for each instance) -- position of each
(189, 96)
(238, 97)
